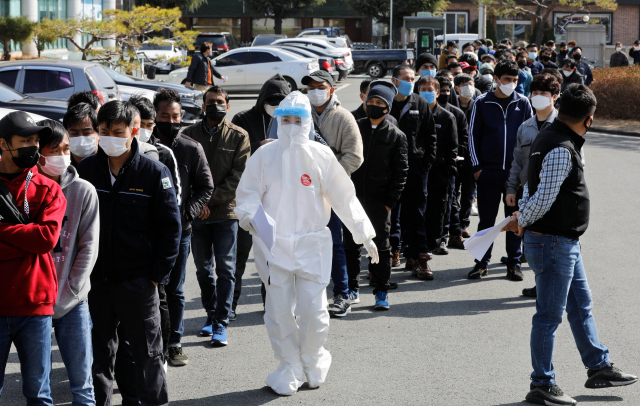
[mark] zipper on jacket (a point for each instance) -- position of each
(504, 115)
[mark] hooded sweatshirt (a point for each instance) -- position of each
(255, 121)
(29, 286)
(77, 249)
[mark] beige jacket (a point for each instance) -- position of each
(340, 130)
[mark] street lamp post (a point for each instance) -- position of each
(391, 26)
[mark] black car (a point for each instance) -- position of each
(222, 42)
(54, 109)
(190, 99)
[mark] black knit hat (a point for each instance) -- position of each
(383, 90)
(424, 58)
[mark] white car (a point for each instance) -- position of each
(248, 68)
(320, 44)
(37, 117)
(160, 55)
(129, 91)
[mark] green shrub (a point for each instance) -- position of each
(617, 91)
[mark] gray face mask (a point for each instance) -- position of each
(270, 109)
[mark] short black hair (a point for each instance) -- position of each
(84, 97)
(444, 72)
(618, 43)
(576, 104)
(427, 79)
(468, 44)
(116, 112)
(144, 106)
(205, 46)
(506, 41)
(451, 44)
(574, 49)
(506, 67)
(444, 82)
(77, 113)
(553, 72)
(570, 62)
(164, 94)
(470, 58)
(462, 79)
(531, 45)
(399, 68)
(451, 56)
(550, 43)
(521, 54)
(364, 85)
(453, 65)
(544, 82)
(501, 46)
(217, 90)
(54, 138)
(134, 111)
(563, 44)
(502, 54)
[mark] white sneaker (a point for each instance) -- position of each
(165, 366)
(474, 210)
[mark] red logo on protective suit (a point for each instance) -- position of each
(306, 180)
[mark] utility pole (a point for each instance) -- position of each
(391, 26)
(482, 22)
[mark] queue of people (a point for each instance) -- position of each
(100, 214)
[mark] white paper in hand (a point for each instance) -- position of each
(265, 227)
(482, 240)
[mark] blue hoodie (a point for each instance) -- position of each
(493, 132)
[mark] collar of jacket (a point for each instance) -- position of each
(135, 156)
(490, 96)
(21, 178)
(218, 128)
(561, 127)
(533, 121)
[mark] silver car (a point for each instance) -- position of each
(58, 79)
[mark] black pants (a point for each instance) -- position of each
(165, 319)
(125, 370)
(381, 272)
(451, 219)
(414, 207)
(466, 191)
(134, 304)
(439, 189)
(245, 242)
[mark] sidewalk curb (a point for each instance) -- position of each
(615, 132)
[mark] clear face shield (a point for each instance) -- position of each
(294, 120)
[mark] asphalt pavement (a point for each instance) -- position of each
(451, 341)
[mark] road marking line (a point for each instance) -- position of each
(343, 86)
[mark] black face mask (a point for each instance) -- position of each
(443, 98)
(577, 57)
(167, 129)
(375, 112)
(522, 64)
(546, 58)
(27, 157)
(216, 112)
(587, 126)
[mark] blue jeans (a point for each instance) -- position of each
(561, 282)
(175, 291)
(339, 274)
(73, 334)
(215, 239)
(32, 338)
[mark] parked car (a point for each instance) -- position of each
(326, 63)
(36, 117)
(322, 46)
(460, 39)
(248, 68)
(266, 39)
(160, 55)
(129, 91)
(190, 99)
(47, 107)
(376, 62)
(319, 31)
(58, 79)
(337, 63)
(222, 41)
(337, 41)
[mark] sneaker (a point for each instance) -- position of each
(219, 338)
(207, 330)
(177, 358)
(421, 267)
(395, 261)
(530, 292)
(548, 395)
(456, 242)
(504, 260)
(409, 263)
(382, 301)
(340, 306)
(474, 210)
(442, 248)
(515, 273)
(354, 297)
(607, 377)
(233, 316)
(465, 234)
(477, 272)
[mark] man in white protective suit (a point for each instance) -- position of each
(298, 182)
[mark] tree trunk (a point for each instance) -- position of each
(540, 30)
(84, 54)
(277, 26)
(7, 53)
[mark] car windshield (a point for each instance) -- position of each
(214, 39)
(264, 40)
(119, 77)
(152, 47)
(8, 94)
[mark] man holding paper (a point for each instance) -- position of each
(298, 182)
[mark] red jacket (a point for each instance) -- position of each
(29, 286)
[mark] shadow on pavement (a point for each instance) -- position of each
(581, 398)
(252, 397)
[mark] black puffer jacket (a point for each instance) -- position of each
(199, 69)
(416, 122)
(382, 176)
(447, 145)
(255, 121)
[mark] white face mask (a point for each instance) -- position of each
(540, 102)
(143, 134)
(113, 146)
(532, 55)
(467, 91)
(507, 89)
(488, 76)
(318, 97)
(490, 48)
(567, 73)
(56, 165)
(270, 109)
(618, 49)
(83, 146)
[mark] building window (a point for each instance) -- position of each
(290, 26)
(561, 20)
(11, 8)
(457, 22)
(231, 25)
(515, 28)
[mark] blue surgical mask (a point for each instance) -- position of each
(405, 88)
(428, 72)
(569, 50)
(532, 55)
(430, 97)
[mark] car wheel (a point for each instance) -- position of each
(375, 70)
(291, 83)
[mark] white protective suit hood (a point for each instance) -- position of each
(297, 105)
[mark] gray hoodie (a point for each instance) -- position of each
(77, 249)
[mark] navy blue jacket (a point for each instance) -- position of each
(199, 69)
(139, 218)
(493, 132)
(584, 68)
(535, 67)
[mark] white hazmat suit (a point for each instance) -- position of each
(298, 182)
